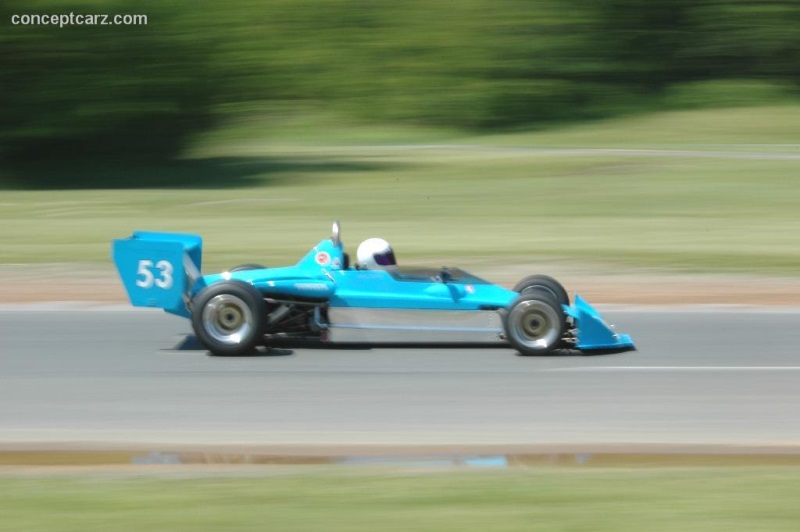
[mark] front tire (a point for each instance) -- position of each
(543, 283)
(534, 324)
(229, 318)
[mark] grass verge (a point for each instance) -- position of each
(697, 499)
(500, 199)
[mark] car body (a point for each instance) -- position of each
(325, 298)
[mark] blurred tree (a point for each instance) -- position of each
(642, 42)
(741, 38)
(141, 92)
(123, 93)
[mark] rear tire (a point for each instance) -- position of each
(534, 323)
(229, 318)
(543, 283)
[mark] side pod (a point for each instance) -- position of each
(593, 331)
(158, 269)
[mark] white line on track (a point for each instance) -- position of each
(678, 368)
(700, 308)
(72, 306)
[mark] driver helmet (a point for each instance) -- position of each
(376, 254)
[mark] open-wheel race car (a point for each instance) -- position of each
(326, 298)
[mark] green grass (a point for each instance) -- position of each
(739, 129)
(733, 129)
(685, 500)
(456, 201)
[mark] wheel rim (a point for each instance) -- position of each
(227, 319)
(534, 324)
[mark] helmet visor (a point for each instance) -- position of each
(385, 259)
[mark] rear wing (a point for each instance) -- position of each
(159, 269)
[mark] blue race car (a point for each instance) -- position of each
(326, 298)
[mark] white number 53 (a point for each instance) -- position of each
(146, 278)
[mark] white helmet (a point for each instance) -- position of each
(376, 254)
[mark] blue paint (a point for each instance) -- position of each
(162, 270)
(593, 331)
(487, 461)
(151, 266)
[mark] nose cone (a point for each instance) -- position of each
(593, 331)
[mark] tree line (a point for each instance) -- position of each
(141, 92)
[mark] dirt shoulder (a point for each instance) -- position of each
(74, 458)
(21, 284)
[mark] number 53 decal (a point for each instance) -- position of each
(147, 278)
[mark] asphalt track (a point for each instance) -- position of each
(726, 376)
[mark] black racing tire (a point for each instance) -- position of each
(229, 318)
(543, 283)
(245, 267)
(534, 323)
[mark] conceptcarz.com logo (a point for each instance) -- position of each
(71, 19)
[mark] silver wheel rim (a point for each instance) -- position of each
(227, 319)
(534, 324)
